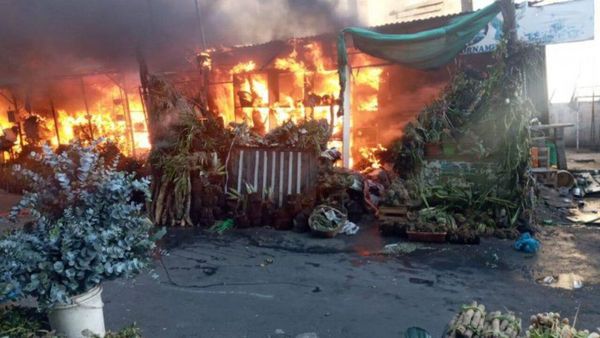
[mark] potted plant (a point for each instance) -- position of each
(431, 225)
(432, 143)
(86, 229)
(448, 143)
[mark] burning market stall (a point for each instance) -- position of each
(478, 184)
(256, 150)
(61, 109)
(85, 107)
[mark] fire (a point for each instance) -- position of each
(305, 86)
(243, 67)
(110, 113)
(316, 54)
(368, 77)
(370, 155)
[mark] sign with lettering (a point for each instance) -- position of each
(557, 23)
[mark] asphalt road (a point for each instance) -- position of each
(264, 283)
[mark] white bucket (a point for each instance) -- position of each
(84, 313)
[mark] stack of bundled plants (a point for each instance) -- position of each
(484, 116)
(187, 147)
(310, 135)
(473, 321)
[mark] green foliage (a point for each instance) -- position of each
(23, 322)
(487, 115)
(86, 228)
(131, 331)
(221, 227)
(26, 322)
(311, 135)
(434, 219)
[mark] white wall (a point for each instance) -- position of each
(379, 12)
(562, 113)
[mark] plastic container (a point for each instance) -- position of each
(449, 149)
(433, 149)
(86, 312)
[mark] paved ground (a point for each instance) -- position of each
(583, 160)
(265, 283)
(259, 282)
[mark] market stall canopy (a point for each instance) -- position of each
(423, 50)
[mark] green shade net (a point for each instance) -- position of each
(423, 50)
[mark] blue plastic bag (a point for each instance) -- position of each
(527, 243)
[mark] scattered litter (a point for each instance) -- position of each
(350, 228)
(527, 243)
(416, 332)
(578, 192)
(548, 222)
(399, 248)
(563, 191)
(267, 261)
(308, 335)
(548, 280)
(422, 281)
(568, 281)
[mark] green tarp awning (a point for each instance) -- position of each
(423, 50)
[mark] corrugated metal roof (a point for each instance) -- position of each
(388, 26)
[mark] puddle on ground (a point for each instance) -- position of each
(568, 281)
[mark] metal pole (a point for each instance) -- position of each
(593, 133)
(577, 128)
(87, 109)
(55, 121)
(200, 26)
(347, 119)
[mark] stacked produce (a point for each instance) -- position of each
(472, 321)
(550, 324)
(500, 325)
(469, 322)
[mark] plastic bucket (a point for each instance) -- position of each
(84, 313)
(564, 179)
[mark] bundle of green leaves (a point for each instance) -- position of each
(86, 229)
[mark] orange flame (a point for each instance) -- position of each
(307, 89)
(370, 154)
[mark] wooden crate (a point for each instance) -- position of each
(393, 214)
(283, 172)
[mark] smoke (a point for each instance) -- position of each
(42, 39)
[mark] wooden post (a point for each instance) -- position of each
(87, 108)
(129, 122)
(510, 22)
(347, 119)
(16, 105)
(55, 118)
